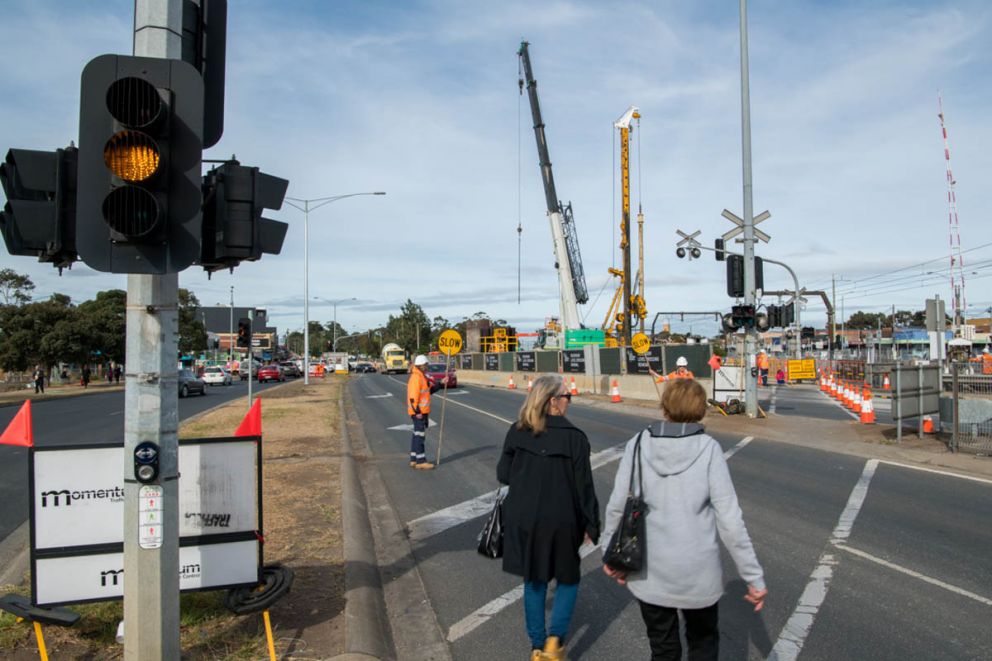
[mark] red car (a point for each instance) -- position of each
(270, 373)
(435, 373)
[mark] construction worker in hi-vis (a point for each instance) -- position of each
(681, 371)
(418, 405)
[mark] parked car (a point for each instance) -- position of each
(435, 373)
(216, 376)
(270, 373)
(243, 371)
(362, 368)
(190, 384)
(289, 368)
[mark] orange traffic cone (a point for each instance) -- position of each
(511, 385)
(615, 392)
(867, 408)
(927, 424)
(530, 384)
(856, 400)
(832, 390)
(572, 389)
(885, 382)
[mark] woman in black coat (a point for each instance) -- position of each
(550, 509)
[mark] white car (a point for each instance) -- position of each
(216, 376)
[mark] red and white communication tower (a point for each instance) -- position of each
(953, 229)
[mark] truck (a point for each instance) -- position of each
(394, 359)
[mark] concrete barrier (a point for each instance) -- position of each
(633, 386)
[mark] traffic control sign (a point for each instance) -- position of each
(739, 222)
(450, 342)
(640, 343)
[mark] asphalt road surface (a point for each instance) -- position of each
(96, 418)
(863, 559)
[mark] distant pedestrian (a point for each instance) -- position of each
(550, 509)
(117, 373)
(690, 499)
(85, 378)
(418, 406)
(64, 376)
(109, 371)
(763, 364)
(39, 380)
(780, 377)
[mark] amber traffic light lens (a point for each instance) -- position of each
(132, 156)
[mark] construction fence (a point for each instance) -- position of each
(593, 360)
(968, 408)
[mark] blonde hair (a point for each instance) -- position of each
(684, 400)
(534, 412)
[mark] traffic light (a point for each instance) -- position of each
(807, 333)
(140, 150)
(743, 316)
(39, 218)
(718, 247)
(774, 316)
(735, 275)
(788, 315)
(235, 196)
(244, 333)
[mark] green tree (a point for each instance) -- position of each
(103, 321)
(411, 329)
(24, 327)
(192, 332)
(15, 288)
(867, 320)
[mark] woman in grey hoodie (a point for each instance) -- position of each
(689, 499)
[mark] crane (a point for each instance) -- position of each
(568, 261)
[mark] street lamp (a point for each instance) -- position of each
(334, 324)
(314, 203)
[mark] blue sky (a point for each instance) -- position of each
(419, 99)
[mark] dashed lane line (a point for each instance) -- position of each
(793, 635)
(481, 615)
(909, 572)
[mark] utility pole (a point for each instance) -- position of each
(750, 297)
(151, 413)
(833, 322)
(230, 331)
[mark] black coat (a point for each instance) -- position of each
(552, 501)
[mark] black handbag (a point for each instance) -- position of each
(491, 537)
(627, 545)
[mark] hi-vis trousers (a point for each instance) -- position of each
(417, 451)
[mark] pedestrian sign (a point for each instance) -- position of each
(640, 343)
(450, 342)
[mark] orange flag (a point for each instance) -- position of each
(252, 423)
(19, 432)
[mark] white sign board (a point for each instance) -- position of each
(79, 493)
(728, 383)
(100, 577)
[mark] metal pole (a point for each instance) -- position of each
(230, 332)
(833, 318)
(897, 402)
(919, 398)
(334, 329)
(251, 352)
(955, 391)
(151, 413)
(750, 296)
(306, 292)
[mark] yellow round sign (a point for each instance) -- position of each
(640, 343)
(450, 342)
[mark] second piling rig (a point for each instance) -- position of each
(568, 261)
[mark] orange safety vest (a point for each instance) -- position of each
(986, 363)
(675, 375)
(418, 392)
(763, 361)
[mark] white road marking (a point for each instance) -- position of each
(388, 394)
(938, 472)
(909, 572)
(841, 407)
(482, 615)
(771, 407)
(793, 636)
(409, 427)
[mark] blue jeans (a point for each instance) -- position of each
(417, 452)
(535, 594)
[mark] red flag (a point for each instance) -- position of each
(252, 423)
(18, 432)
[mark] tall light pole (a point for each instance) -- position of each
(307, 206)
(334, 323)
(230, 334)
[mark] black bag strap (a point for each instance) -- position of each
(636, 467)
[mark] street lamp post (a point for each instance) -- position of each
(307, 206)
(230, 334)
(334, 323)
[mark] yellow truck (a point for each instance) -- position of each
(394, 359)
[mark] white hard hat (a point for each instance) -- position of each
(420, 360)
(682, 362)
(985, 350)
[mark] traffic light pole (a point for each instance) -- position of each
(151, 557)
(750, 297)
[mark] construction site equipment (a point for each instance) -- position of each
(568, 261)
(956, 270)
(501, 341)
(394, 359)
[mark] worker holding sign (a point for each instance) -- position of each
(418, 396)
(450, 343)
(681, 371)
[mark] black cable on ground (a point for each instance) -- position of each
(276, 581)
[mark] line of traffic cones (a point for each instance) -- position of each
(852, 396)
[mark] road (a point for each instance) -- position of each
(863, 559)
(91, 418)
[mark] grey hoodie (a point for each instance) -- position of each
(690, 498)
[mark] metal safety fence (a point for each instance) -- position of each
(970, 404)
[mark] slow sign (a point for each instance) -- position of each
(450, 342)
(640, 343)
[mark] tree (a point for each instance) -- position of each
(192, 332)
(23, 329)
(867, 320)
(411, 330)
(14, 287)
(104, 322)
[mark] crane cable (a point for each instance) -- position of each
(520, 228)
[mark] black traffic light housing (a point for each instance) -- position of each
(234, 198)
(735, 275)
(140, 151)
(743, 316)
(146, 456)
(775, 316)
(244, 332)
(39, 218)
(718, 248)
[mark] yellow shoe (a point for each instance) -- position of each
(535, 655)
(424, 466)
(554, 650)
